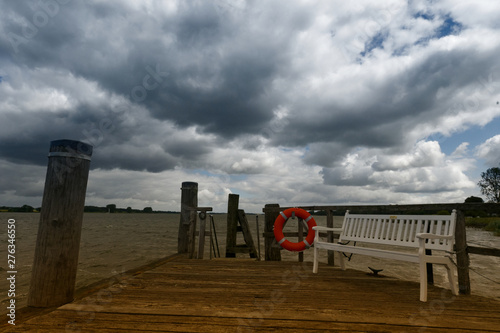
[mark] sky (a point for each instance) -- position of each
(290, 102)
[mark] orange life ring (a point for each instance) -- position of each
(279, 223)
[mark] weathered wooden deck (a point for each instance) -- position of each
(243, 295)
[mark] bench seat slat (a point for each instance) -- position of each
(379, 253)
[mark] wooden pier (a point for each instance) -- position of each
(177, 294)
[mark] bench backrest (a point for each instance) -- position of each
(400, 230)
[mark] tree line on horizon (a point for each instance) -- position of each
(111, 208)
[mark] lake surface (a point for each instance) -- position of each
(114, 243)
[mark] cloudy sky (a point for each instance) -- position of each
(289, 102)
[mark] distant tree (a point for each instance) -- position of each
(27, 208)
(473, 199)
(147, 210)
(129, 209)
(111, 208)
(490, 184)
(23, 209)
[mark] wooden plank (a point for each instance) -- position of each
(485, 251)
(258, 235)
(490, 208)
(296, 234)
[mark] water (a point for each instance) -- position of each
(114, 243)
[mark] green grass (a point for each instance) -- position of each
(494, 226)
(485, 223)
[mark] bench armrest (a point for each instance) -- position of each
(320, 228)
(433, 236)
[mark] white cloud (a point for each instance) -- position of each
(423, 170)
(425, 154)
(490, 151)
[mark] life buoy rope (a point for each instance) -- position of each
(280, 221)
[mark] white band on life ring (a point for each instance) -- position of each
(284, 216)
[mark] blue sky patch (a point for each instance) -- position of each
(376, 42)
(449, 27)
(425, 16)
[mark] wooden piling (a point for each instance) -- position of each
(272, 249)
(189, 201)
(59, 230)
(462, 255)
(301, 237)
(201, 235)
(192, 233)
(232, 222)
(329, 237)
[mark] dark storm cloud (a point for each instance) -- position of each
(272, 90)
(215, 75)
(30, 139)
(194, 67)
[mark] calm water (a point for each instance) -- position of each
(113, 243)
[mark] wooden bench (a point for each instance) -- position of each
(419, 232)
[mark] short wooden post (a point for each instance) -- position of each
(59, 230)
(189, 201)
(430, 269)
(232, 222)
(301, 237)
(329, 237)
(201, 235)
(272, 249)
(258, 234)
(462, 255)
(192, 233)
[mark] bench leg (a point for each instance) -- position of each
(315, 261)
(341, 260)
(423, 281)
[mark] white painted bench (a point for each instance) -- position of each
(420, 232)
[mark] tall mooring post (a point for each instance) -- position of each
(272, 249)
(232, 222)
(187, 224)
(58, 241)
